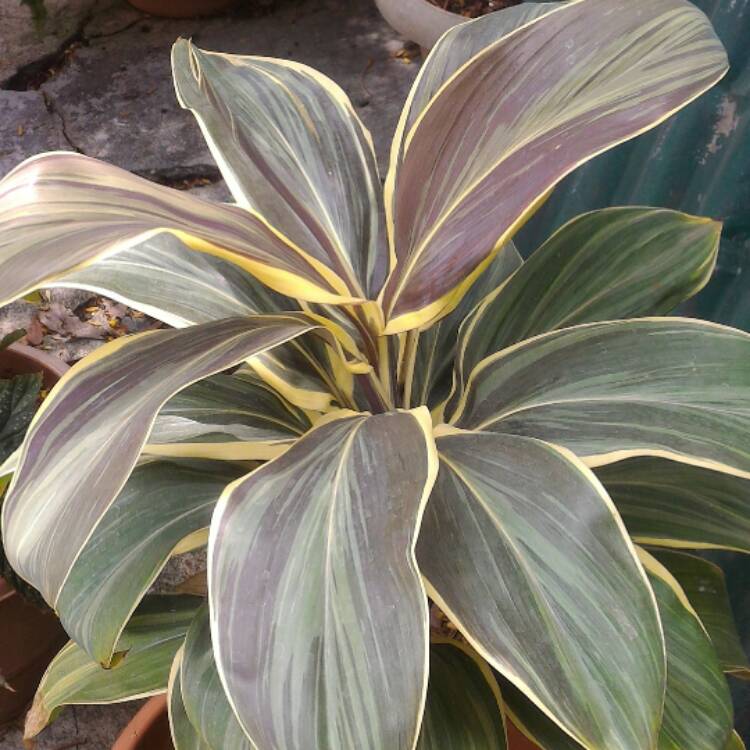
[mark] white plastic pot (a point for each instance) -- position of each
(418, 20)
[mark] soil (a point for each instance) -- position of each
(474, 8)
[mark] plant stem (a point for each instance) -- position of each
(406, 370)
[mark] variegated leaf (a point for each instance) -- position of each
(235, 417)
(674, 504)
(87, 436)
(453, 50)
(164, 278)
(464, 708)
(62, 211)
(150, 641)
(669, 387)
(163, 504)
(203, 696)
(615, 263)
(706, 590)
(697, 706)
(734, 742)
(524, 551)
(516, 118)
(429, 375)
(291, 147)
(184, 735)
(327, 648)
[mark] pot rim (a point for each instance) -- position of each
(418, 20)
(26, 359)
(143, 719)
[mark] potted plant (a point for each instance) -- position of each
(369, 422)
(421, 21)
(31, 633)
(425, 21)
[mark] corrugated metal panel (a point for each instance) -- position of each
(698, 161)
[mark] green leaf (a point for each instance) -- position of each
(19, 398)
(235, 417)
(697, 711)
(532, 722)
(673, 504)
(669, 387)
(100, 209)
(87, 436)
(604, 265)
(524, 551)
(291, 147)
(161, 504)
(11, 338)
(151, 639)
(184, 735)
(698, 707)
(474, 167)
(706, 590)
(463, 709)
(203, 696)
(332, 611)
(430, 380)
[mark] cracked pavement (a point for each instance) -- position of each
(95, 78)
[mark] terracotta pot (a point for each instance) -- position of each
(30, 637)
(148, 729)
(19, 359)
(418, 20)
(182, 8)
(30, 640)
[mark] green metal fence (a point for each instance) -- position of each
(698, 161)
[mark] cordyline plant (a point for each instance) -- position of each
(364, 417)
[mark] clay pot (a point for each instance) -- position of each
(148, 729)
(418, 20)
(182, 8)
(19, 359)
(30, 636)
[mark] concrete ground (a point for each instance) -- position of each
(94, 77)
